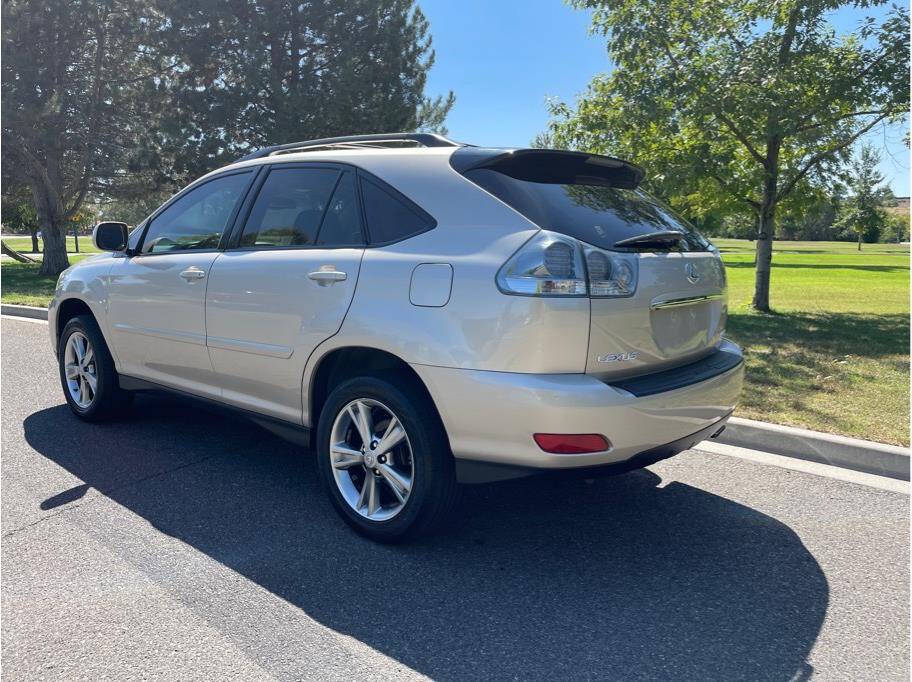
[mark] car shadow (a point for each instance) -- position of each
(615, 578)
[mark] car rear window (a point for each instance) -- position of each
(596, 214)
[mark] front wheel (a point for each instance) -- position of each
(385, 460)
(87, 372)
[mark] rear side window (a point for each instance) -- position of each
(289, 209)
(342, 222)
(390, 218)
(197, 219)
(596, 214)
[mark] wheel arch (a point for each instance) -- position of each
(69, 308)
(347, 362)
(65, 309)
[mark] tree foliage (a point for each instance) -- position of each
(79, 91)
(262, 72)
(738, 105)
(121, 99)
(863, 212)
(18, 213)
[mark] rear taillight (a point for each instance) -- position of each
(551, 264)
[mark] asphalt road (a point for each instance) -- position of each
(183, 544)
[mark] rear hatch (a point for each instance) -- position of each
(676, 314)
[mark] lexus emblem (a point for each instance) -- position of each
(692, 275)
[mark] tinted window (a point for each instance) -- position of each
(289, 208)
(342, 222)
(198, 218)
(388, 218)
(596, 214)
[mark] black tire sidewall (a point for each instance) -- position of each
(430, 455)
(107, 389)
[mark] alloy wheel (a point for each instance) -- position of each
(80, 369)
(371, 458)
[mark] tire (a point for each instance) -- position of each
(433, 489)
(107, 400)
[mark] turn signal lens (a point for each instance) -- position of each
(571, 443)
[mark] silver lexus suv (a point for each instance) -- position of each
(416, 311)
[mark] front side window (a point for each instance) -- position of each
(198, 218)
(290, 207)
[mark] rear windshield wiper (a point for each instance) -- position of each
(662, 238)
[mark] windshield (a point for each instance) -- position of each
(595, 214)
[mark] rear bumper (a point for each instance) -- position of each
(491, 416)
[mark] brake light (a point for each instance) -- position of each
(552, 264)
(549, 264)
(571, 443)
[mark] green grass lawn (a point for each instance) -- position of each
(835, 354)
(833, 357)
(24, 244)
(21, 284)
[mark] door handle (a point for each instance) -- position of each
(193, 273)
(326, 275)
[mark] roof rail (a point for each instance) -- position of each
(354, 141)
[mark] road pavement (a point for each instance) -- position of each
(184, 544)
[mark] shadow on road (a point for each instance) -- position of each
(618, 578)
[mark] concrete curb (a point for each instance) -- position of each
(849, 453)
(24, 311)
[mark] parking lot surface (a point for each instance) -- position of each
(185, 544)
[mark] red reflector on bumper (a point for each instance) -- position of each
(571, 443)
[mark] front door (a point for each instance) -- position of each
(157, 297)
(284, 287)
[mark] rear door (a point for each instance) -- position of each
(677, 315)
(157, 297)
(284, 284)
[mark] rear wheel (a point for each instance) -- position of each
(87, 372)
(385, 460)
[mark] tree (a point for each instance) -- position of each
(738, 102)
(863, 212)
(18, 212)
(896, 228)
(80, 97)
(131, 210)
(263, 72)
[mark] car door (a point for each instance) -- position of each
(157, 296)
(283, 285)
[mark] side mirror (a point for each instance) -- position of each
(110, 236)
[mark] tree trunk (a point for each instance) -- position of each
(859, 241)
(12, 253)
(766, 223)
(766, 230)
(50, 219)
(55, 258)
(764, 259)
(33, 231)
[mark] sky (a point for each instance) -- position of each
(505, 58)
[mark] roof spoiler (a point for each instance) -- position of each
(551, 166)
